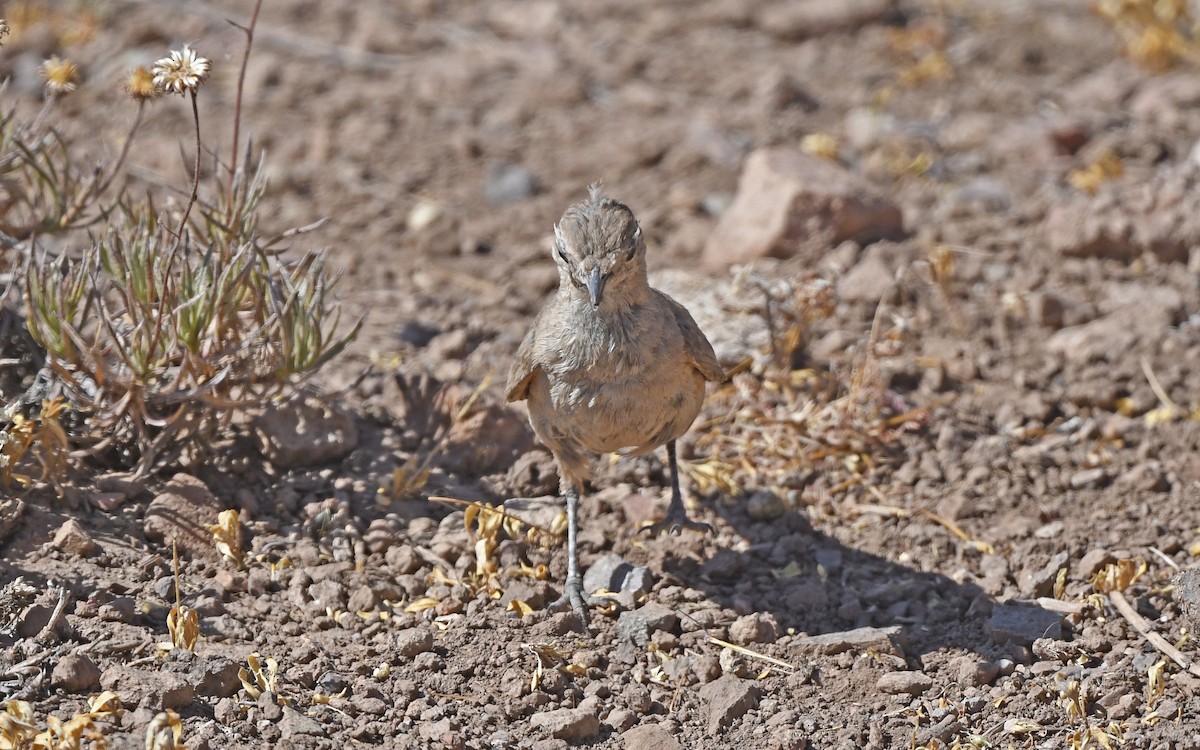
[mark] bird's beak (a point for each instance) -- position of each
(595, 286)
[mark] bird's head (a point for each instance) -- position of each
(599, 250)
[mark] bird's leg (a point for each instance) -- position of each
(677, 518)
(573, 587)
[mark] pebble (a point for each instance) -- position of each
(908, 683)
(75, 673)
(71, 538)
(412, 641)
(636, 625)
(508, 183)
(765, 506)
(758, 627)
(612, 573)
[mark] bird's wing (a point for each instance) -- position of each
(523, 367)
(699, 351)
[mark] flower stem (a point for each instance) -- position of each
(195, 172)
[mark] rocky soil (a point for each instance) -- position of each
(963, 418)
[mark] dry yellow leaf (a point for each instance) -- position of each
(184, 625)
(520, 607)
(227, 533)
(422, 604)
(164, 731)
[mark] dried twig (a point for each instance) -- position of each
(1141, 625)
(752, 654)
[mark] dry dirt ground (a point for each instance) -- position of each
(984, 413)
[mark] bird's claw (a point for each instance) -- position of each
(573, 597)
(673, 524)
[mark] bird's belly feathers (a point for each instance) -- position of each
(635, 411)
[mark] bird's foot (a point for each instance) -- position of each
(573, 597)
(674, 522)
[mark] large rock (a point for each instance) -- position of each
(183, 512)
(729, 313)
(1023, 623)
(650, 737)
(888, 640)
(1159, 215)
(570, 724)
(799, 19)
(304, 433)
(727, 700)
(1140, 322)
(790, 203)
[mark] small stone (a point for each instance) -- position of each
(268, 707)
(889, 640)
(1089, 478)
(829, 559)
(570, 724)
(508, 183)
(758, 627)
(362, 599)
(327, 594)
(636, 625)
(611, 573)
(1040, 582)
(621, 719)
(75, 673)
(904, 683)
(120, 483)
(650, 737)
(304, 433)
(118, 609)
(533, 593)
(412, 641)
(71, 538)
(403, 559)
(765, 506)
(1052, 530)
(296, 724)
(1122, 330)
(216, 676)
(107, 501)
(1091, 563)
(974, 672)
(1023, 623)
(1187, 588)
(727, 700)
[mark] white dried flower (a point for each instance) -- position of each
(60, 75)
(182, 71)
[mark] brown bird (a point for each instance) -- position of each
(610, 364)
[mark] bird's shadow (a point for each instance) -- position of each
(813, 584)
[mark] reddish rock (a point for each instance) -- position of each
(650, 737)
(183, 512)
(727, 700)
(71, 538)
(790, 203)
